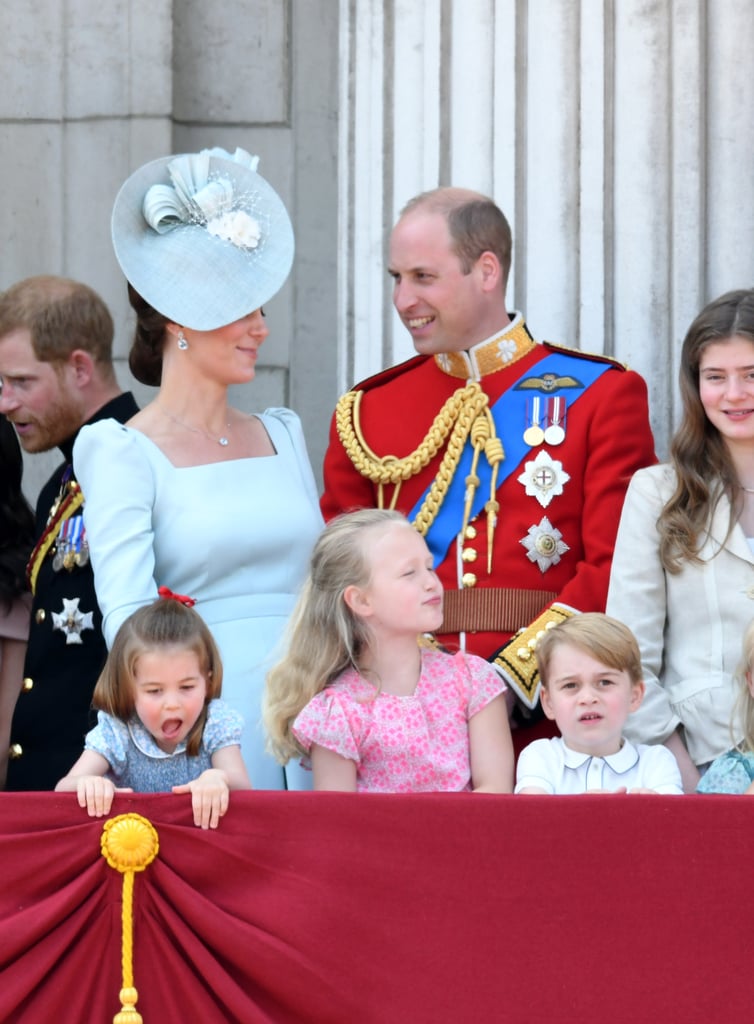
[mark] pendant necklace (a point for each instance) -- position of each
(222, 441)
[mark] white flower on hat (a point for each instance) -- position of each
(194, 198)
(237, 227)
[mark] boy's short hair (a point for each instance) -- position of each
(602, 637)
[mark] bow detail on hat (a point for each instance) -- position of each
(195, 198)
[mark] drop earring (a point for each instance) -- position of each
(182, 343)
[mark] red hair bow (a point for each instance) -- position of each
(168, 594)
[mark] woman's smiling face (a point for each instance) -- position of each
(726, 388)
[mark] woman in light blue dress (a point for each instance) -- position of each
(192, 493)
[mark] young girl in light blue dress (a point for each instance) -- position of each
(161, 726)
(733, 772)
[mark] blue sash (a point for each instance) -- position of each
(509, 414)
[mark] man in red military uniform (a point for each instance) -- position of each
(511, 456)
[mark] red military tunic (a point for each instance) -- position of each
(551, 543)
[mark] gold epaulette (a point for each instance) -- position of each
(518, 659)
(596, 357)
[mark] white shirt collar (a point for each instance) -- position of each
(622, 761)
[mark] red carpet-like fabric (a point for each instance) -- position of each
(352, 909)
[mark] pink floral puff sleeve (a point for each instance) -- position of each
(400, 744)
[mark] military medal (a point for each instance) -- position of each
(534, 435)
(543, 478)
(544, 544)
(69, 499)
(62, 547)
(65, 489)
(72, 621)
(72, 549)
(555, 431)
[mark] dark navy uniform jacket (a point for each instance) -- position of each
(53, 712)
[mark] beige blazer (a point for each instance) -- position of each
(689, 626)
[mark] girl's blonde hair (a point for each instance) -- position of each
(165, 623)
(324, 636)
(600, 636)
(744, 710)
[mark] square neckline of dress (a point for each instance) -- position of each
(204, 465)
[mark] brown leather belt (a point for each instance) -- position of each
(492, 609)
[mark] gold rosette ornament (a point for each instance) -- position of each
(129, 844)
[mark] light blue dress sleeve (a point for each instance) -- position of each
(109, 738)
(223, 727)
(292, 424)
(730, 773)
(119, 492)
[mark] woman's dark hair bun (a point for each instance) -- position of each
(145, 357)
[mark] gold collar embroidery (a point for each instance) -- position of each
(489, 356)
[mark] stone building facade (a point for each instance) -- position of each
(618, 136)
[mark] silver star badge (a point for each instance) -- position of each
(544, 544)
(544, 478)
(71, 621)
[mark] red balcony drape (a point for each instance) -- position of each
(355, 909)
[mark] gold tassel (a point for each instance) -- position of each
(479, 436)
(449, 429)
(484, 439)
(493, 449)
(129, 844)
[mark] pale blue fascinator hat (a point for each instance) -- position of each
(202, 237)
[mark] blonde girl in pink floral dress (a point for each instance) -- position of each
(368, 708)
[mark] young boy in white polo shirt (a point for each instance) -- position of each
(591, 680)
